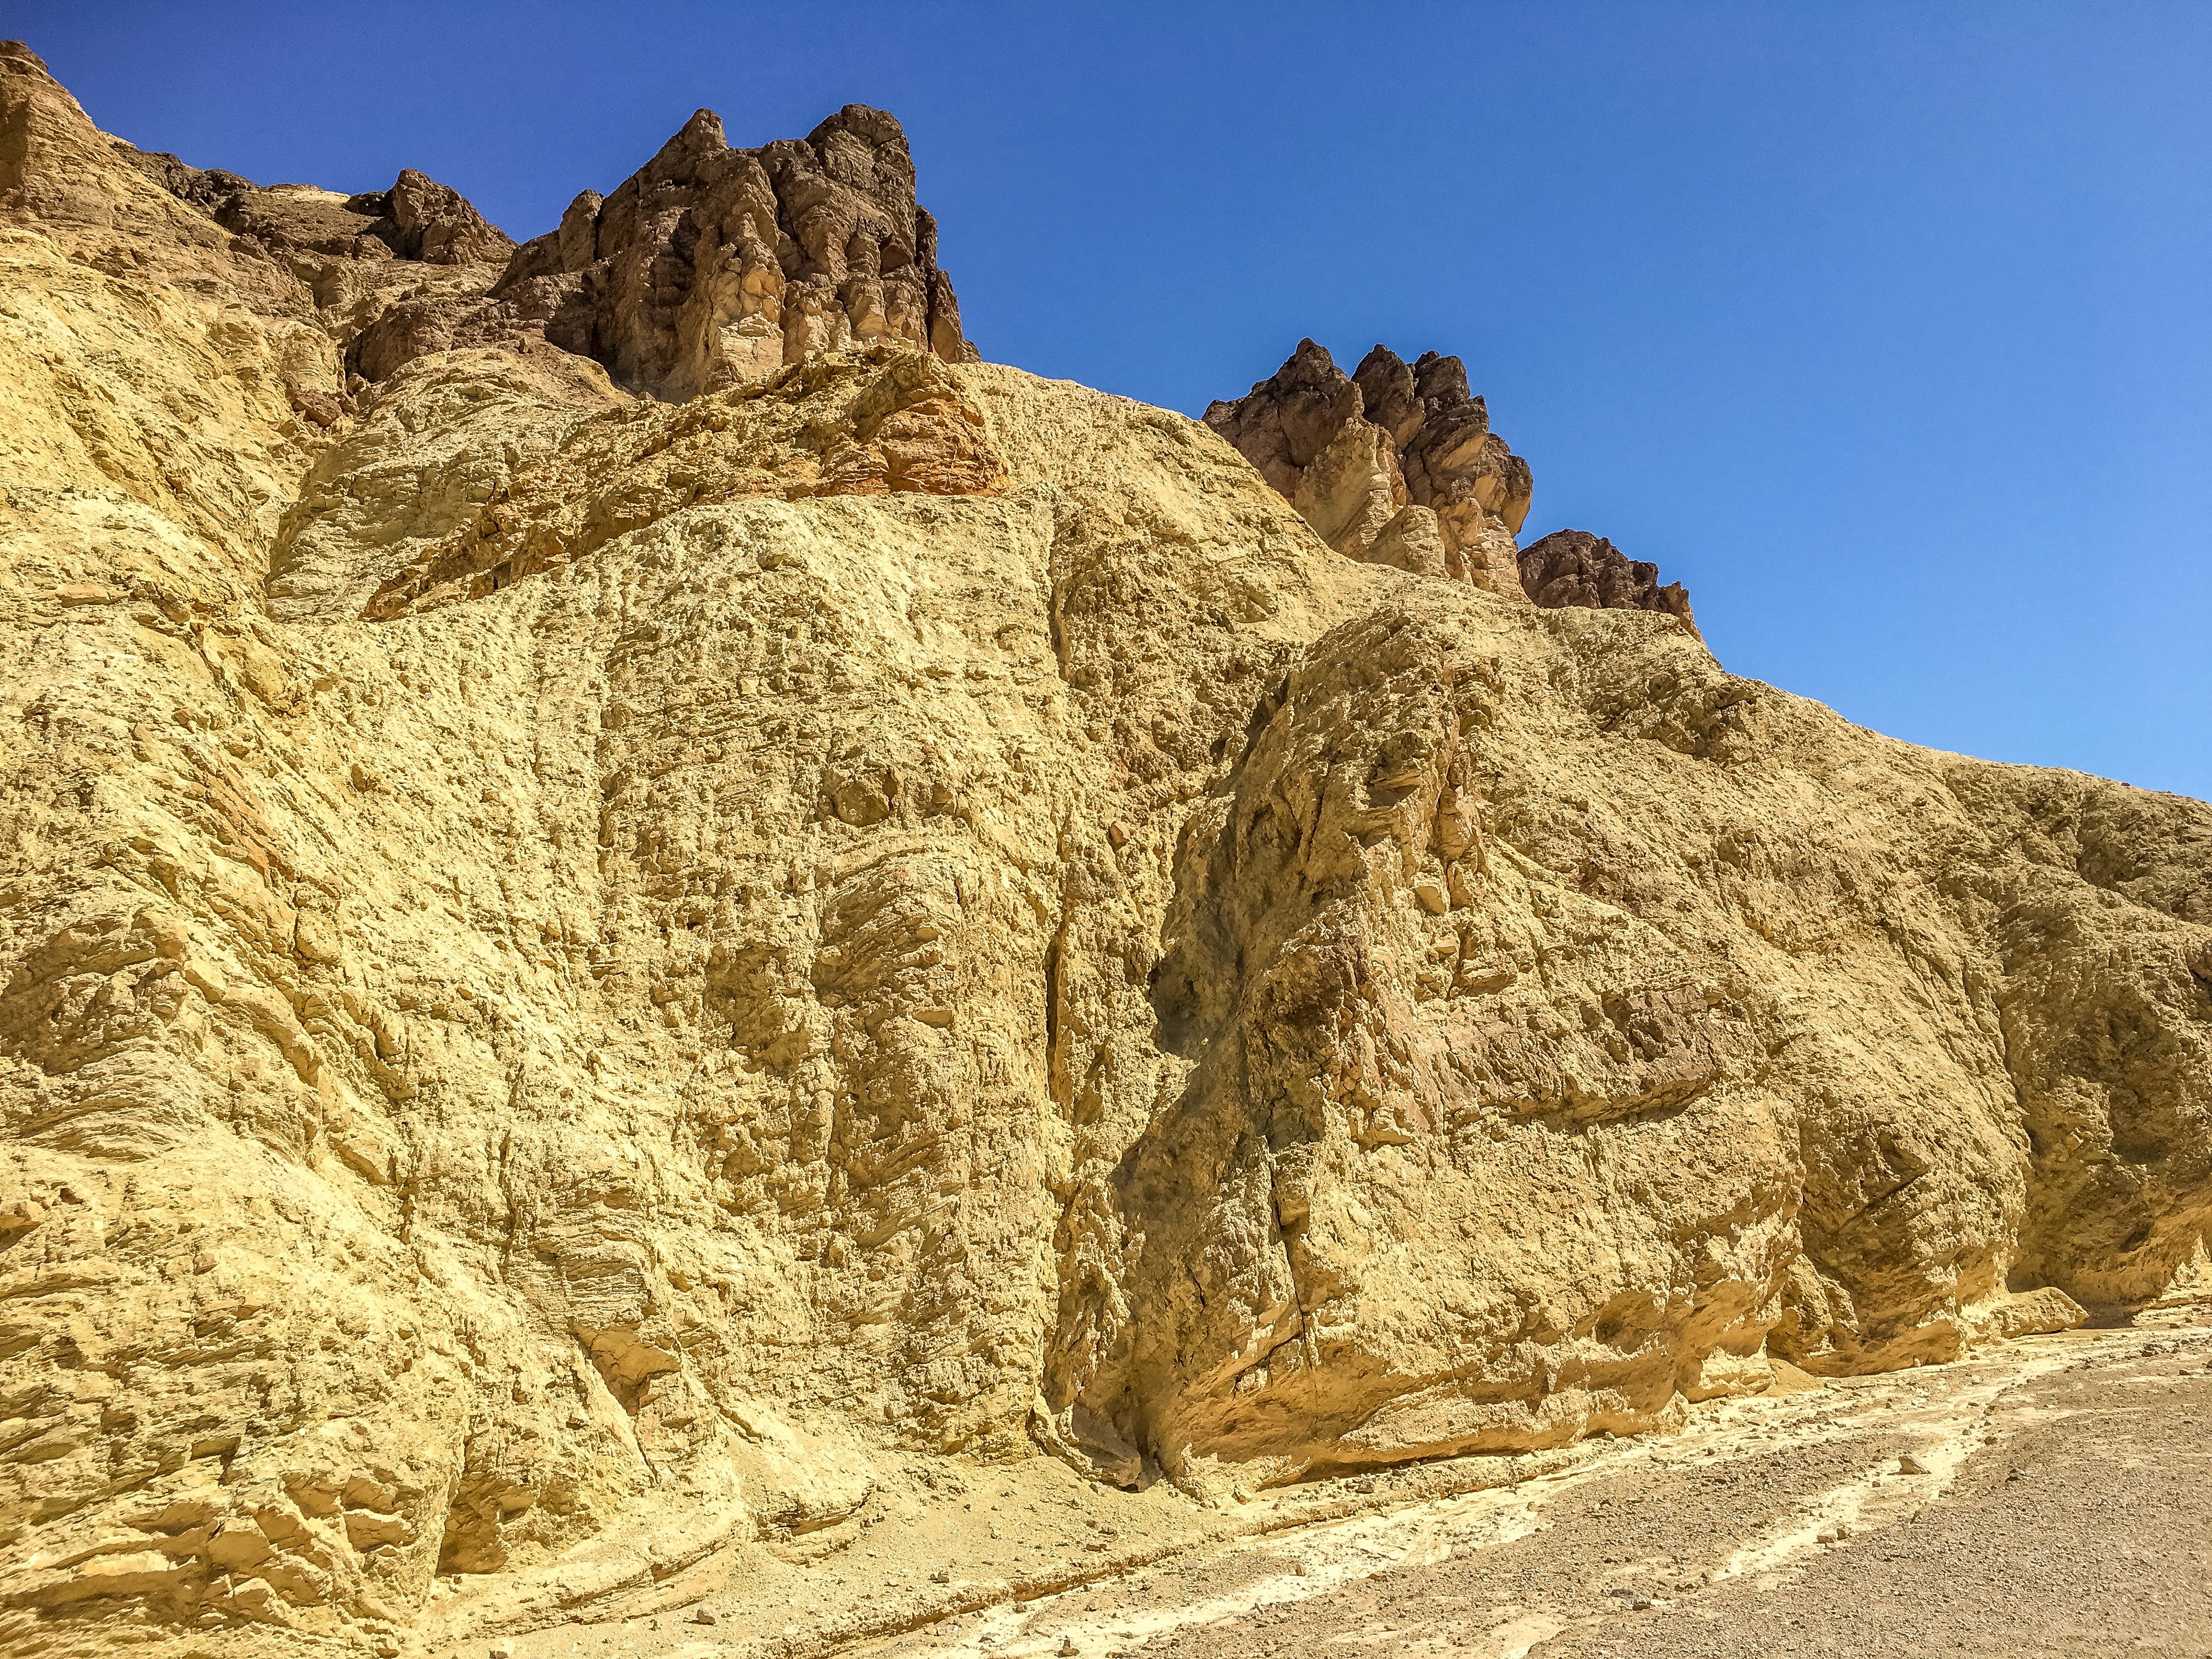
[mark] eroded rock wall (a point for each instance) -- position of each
(586, 983)
(712, 267)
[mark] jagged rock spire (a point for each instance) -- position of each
(1574, 568)
(1394, 466)
(711, 266)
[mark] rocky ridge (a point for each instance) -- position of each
(712, 267)
(709, 267)
(418, 218)
(311, 268)
(1394, 464)
(598, 993)
(1572, 566)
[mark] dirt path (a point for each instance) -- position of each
(2054, 1499)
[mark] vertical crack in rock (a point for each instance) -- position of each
(1061, 1089)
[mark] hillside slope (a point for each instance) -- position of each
(582, 979)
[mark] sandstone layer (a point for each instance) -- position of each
(587, 980)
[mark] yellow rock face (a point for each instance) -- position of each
(581, 982)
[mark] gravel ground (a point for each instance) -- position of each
(2057, 1500)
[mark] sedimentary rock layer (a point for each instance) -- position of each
(586, 983)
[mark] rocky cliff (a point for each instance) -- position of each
(1397, 465)
(1572, 566)
(1392, 465)
(595, 988)
(713, 267)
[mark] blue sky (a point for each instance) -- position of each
(1888, 330)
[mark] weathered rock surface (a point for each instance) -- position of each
(1395, 465)
(713, 267)
(588, 988)
(418, 218)
(1572, 566)
(710, 267)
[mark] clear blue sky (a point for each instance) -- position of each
(1888, 328)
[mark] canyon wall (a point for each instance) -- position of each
(588, 975)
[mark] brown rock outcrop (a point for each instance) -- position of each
(345, 250)
(317, 265)
(1394, 465)
(418, 218)
(82, 191)
(710, 267)
(713, 267)
(902, 924)
(1572, 566)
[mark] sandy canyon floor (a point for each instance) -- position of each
(2048, 1499)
